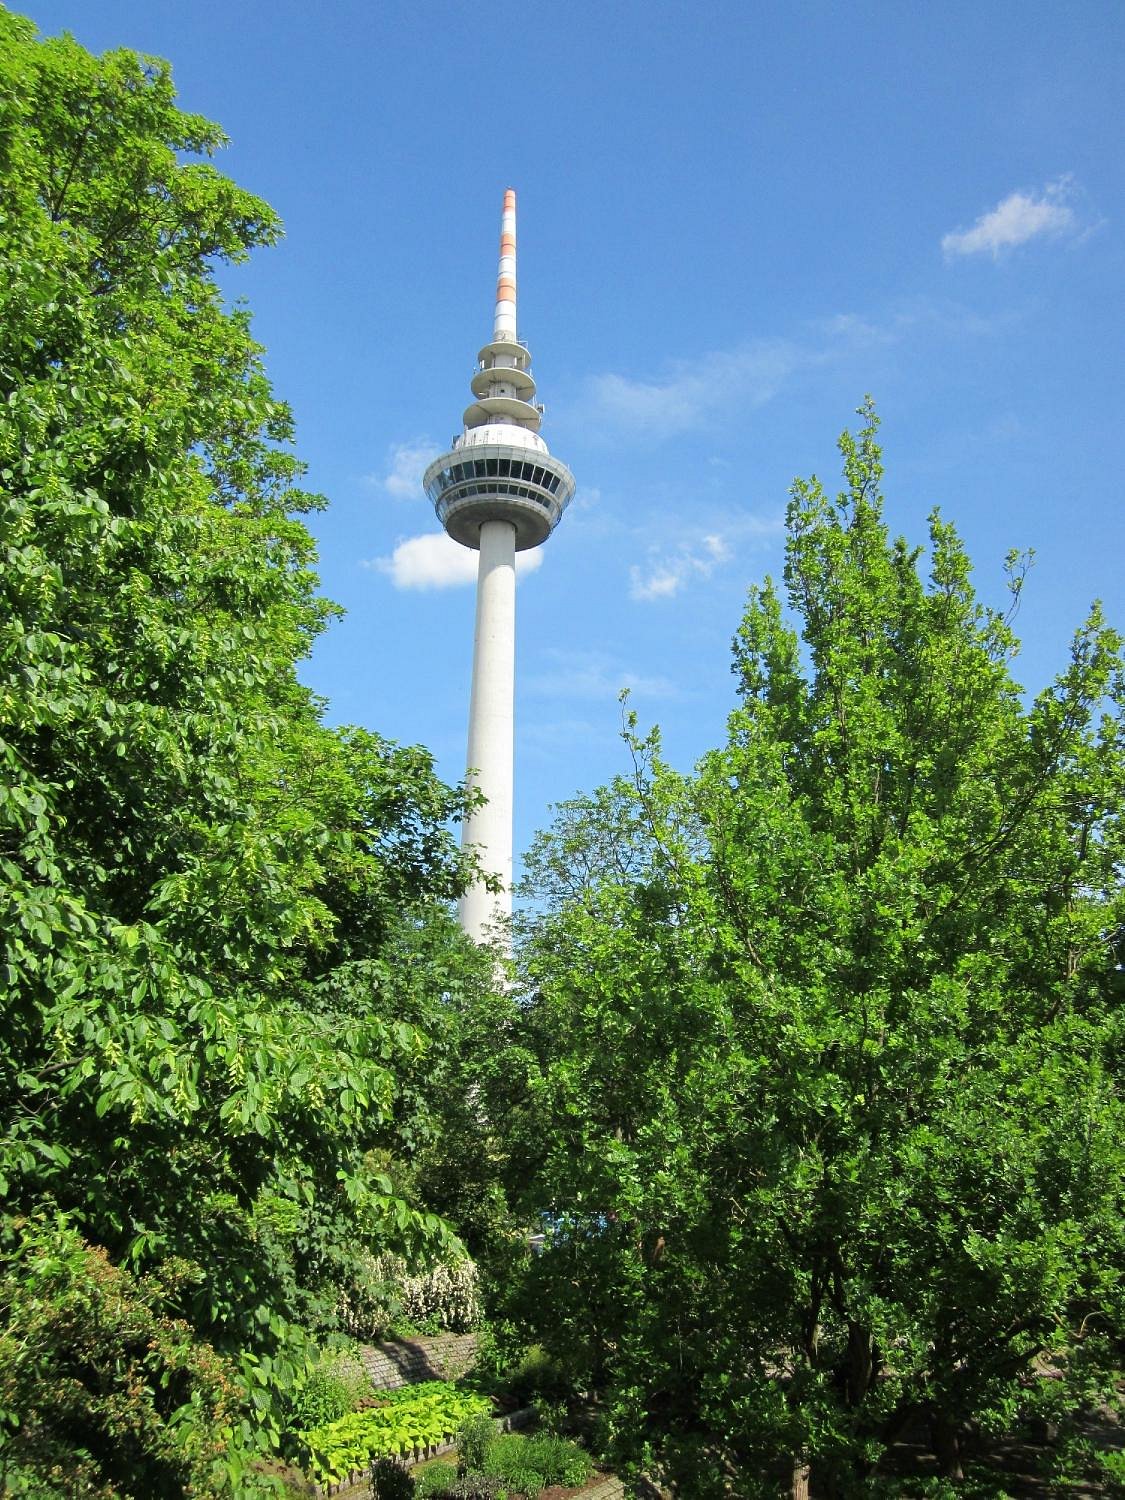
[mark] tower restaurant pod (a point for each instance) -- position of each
(499, 469)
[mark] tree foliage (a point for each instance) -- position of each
(217, 916)
(830, 1121)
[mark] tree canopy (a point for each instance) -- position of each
(830, 1128)
(222, 923)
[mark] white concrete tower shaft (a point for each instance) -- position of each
(500, 491)
(492, 726)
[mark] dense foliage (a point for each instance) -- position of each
(828, 1124)
(224, 940)
(171, 1406)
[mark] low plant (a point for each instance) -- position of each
(476, 1487)
(435, 1479)
(525, 1482)
(565, 1462)
(330, 1390)
(516, 1459)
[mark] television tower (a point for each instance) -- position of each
(499, 491)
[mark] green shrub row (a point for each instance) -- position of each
(511, 1464)
(435, 1479)
(529, 1464)
(329, 1391)
(413, 1418)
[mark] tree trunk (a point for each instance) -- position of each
(799, 1490)
(861, 1363)
(946, 1443)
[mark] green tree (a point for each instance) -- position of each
(195, 1065)
(830, 1065)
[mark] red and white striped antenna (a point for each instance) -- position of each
(504, 323)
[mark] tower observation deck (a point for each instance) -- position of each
(499, 491)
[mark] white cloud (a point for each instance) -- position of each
(694, 388)
(587, 497)
(660, 581)
(705, 389)
(665, 574)
(406, 463)
(593, 674)
(1016, 219)
(435, 561)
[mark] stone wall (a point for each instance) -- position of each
(443, 1357)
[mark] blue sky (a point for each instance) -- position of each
(734, 220)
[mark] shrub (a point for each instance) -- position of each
(435, 1479)
(474, 1440)
(536, 1375)
(526, 1482)
(385, 1291)
(390, 1481)
(324, 1397)
(330, 1391)
(561, 1461)
(553, 1460)
(476, 1487)
(84, 1350)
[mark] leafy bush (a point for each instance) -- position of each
(561, 1461)
(473, 1442)
(536, 1375)
(475, 1487)
(331, 1390)
(407, 1420)
(102, 1394)
(385, 1291)
(516, 1460)
(435, 1479)
(390, 1481)
(525, 1482)
(21, 1484)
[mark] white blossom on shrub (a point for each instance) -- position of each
(386, 1290)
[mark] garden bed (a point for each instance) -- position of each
(357, 1485)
